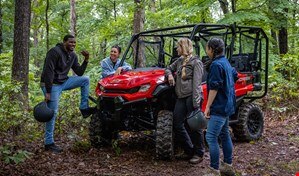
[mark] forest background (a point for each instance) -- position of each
(28, 29)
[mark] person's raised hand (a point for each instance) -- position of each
(47, 97)
(118, 71)
(85, 54)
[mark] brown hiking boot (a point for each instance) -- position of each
(195, 159)
(227, 169)
(212, 172)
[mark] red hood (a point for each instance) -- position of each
(134, 78)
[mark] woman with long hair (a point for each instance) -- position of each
(188, 71)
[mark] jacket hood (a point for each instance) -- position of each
(60, 46)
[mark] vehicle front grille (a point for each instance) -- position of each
(122, 91)
(115, 91)
(107, 104)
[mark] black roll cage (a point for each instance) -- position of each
(202, 31)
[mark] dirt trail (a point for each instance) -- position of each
(276, 154)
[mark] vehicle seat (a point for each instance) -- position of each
(245, 62)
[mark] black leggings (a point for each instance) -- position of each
(191, 141)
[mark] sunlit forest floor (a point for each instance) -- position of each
(275, 154)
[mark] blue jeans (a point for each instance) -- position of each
(71, 83)
(218, 127)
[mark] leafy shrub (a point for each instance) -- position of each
(283, 79)
(11, 112)
(9, 156)
(116, 147)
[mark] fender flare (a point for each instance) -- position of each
(161, 88)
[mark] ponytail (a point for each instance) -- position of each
(217, 45)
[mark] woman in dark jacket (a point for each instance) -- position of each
(187, 82)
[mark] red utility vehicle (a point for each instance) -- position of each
(142, 100)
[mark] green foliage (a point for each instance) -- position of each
(80, 146)
(243, 17)
(69, 120)
(94, 73)
(116, 148)
(7, 9)
(11, 113)
(280, 13)
(9, 156)
(283, 77)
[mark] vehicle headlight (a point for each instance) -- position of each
(144, 88)
(102, 88)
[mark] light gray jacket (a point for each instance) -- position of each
(192, 84)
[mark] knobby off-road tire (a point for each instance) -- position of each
(164, 135)
(98, 136)
(251, 123)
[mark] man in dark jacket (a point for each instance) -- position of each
(54, 79)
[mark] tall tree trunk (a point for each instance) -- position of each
(153, 10)
(139, 16)
(283, 40)
(47, 25)
(20, 65)
(280, 23)
(283, 49)
(1, 38)
(283, 33)
(138, 25)
(224, 6)
(233, 6)
(73, 17)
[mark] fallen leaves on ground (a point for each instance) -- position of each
(276, 153)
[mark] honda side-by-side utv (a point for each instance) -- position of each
(141, 99)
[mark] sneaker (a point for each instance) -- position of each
(88, 111)
(227, 169)
(195, 159)
(53, 148)
(212, 172)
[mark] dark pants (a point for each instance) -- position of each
(191, 141)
